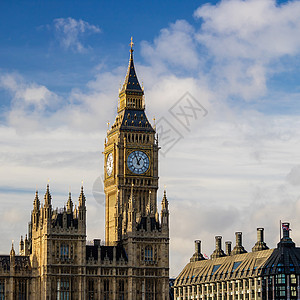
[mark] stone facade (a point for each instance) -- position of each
(55, 261)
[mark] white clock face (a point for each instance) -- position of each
(109, 164)
(138, 162)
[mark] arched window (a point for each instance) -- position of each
(148, 253)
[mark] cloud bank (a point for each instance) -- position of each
(234, 170)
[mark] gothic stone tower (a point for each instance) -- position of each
(57, 243)
(131, 184)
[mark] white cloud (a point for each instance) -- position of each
(245, 39)
(70, 31)
(229, 173)
(174, 46)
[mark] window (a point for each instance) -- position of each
(63, 289)
(148, 253)
(91, 289)
(64, 251)
(280, 278)
(106, 289)
(293, 291)
(2, 290)
(149, 293)
(121, 290)
(215, 268)
(235, 265)
(21, 290)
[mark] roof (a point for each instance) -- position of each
(266, 262)
(131, 82)
(135, 120)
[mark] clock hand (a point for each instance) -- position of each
(137, 160)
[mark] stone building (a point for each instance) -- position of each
(55, 261)
(263, 274)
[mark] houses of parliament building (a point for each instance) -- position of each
(54, 260)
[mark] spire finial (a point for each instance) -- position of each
(131, 44)
(12, 251)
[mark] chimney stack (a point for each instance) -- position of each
(238, 249)
(260, 244)
(228, 247)
(260, 235)
(197, 255)
(198, 246)
(218, 252)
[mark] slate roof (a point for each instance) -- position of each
(135, 120)
(131, 82)
(284, 259)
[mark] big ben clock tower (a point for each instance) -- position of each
(130, 185)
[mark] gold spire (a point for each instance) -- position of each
(131, 44)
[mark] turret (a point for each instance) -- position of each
(82, 210)
(35, 217)
(131, 212)
(26, 246)
(36, 202)
(21, 246)
(12, 253)
(70, 204)
(150, 209)
(164, 210)
(47, 205)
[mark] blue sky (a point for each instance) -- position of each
(61, 64)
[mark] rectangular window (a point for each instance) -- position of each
(148, 253)
(280, 278)
(63, 289)
(64, 251)
(22, 290)
(2, 290)
(121, 290)
(106, 289)
(91, 289)
(293, 279)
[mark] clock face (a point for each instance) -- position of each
(138, 162)
(109, 164)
